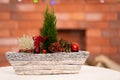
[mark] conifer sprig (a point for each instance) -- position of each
(49, 28)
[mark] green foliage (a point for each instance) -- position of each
(49, 28)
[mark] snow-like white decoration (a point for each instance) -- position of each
(26, 42)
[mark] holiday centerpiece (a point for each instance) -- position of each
(46, 54)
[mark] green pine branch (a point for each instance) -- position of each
(49, 28)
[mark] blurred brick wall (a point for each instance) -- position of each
(100, 20)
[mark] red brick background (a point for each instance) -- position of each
(100, 21)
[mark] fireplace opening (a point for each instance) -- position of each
(74, 36)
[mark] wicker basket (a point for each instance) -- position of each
(56, 63)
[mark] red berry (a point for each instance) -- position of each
(20, 50)
(75, 47)
(29, 51)
(44, 51)
(60, 49)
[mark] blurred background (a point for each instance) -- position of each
(94, 24)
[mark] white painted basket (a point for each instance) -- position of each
(55, 63)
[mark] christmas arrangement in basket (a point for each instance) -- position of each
(46, 54)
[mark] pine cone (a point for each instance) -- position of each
(66, 46)
(54, 47)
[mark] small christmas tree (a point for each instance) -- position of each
(47, 42)
(49, 29)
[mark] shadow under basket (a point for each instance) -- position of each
(55, 63)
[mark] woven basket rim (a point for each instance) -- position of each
(15, 56)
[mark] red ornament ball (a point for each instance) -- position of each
(60, 49)
(75, 47)
(44, 51)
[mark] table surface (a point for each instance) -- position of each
(86, 73)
